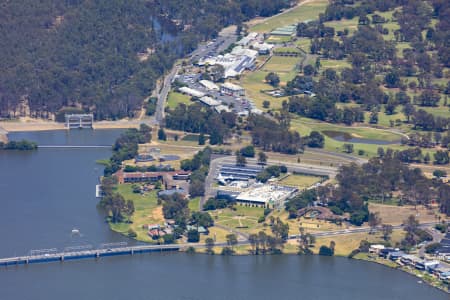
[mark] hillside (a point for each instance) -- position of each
(101, 56)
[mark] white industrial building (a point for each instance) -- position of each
(210, 101)
(209, 85)
(262, 48)
(245, 41)
(221, 108)
(231, 89)
(191, 92)
(235, 62)
(266, 195)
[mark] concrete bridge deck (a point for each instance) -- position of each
(75, 255)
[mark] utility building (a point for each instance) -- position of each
(232, 89)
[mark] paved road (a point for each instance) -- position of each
(358, 230)
(437, 237)
(212, 48)
(340, 156)
(163, 93)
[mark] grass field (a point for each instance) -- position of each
(147, 211)
(242, 218)
(304, 126)
(300, 181)
(304, 44)
(194, 204)
(277, 39)
(395, 215)
(281, 64)
(310, 225)
(338, 65)
(175, 98)
(254, 84)
(357, 132)
(307, 11)
(287, 50)
(190, 138)
(351, 25)
(345, 244)
(443, 112)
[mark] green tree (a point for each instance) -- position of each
(254, 242)
(374, 221)
(168, 239)
(441, 157)
(348, 148)
(201, 139)
(262, 158)
(386, 230)
(325, 251)
(273, 79)
(231, 240)
(162, 134)
(240, 159)
(248, 151)
(193, 236)
(408, 110)
(209, 245)
(439, 173)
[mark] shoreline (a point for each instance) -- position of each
(406, 270)
(244, 250)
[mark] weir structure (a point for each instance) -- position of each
(79, 121)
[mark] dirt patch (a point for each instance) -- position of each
(157, 214)
(28, 125)
(395, 215)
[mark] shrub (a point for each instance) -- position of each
(131, 233)
(168, 239)
(326, 251)
(441, 227)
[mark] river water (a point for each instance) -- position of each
(47, 193)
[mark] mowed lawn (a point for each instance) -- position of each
(356, 132)
(304, 44)
(345, 244)
(241, 217)
(351, 25)
(338, 65)
(300, 181)
(281, 64)
(254, 83)
(147, 211)
(304, 126)
(305, 12)
(175, 98)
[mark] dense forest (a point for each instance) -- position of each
(102, 56)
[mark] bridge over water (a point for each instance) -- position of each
(73, 146)
(82, 252)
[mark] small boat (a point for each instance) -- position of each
(75, 231)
